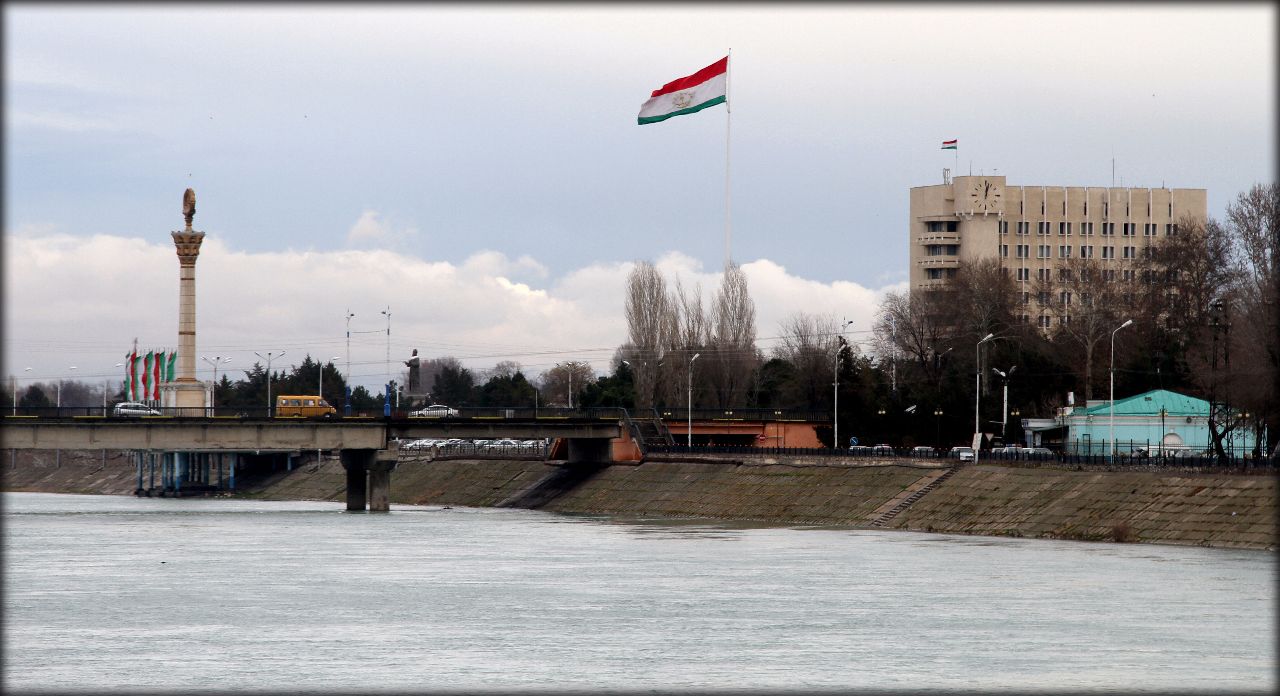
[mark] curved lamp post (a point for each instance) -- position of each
(977, 395)
(835, 390)
(1112, 408)
(1004, 418)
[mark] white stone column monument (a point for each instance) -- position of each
(185, 393)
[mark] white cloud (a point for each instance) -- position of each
(61, 121)
(81, 301)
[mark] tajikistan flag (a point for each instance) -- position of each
(687, 95)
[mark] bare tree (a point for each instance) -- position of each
(733, 356)
(1087, 299)
(809, 342)
(915, 327)
(561, 384)
(650, 313)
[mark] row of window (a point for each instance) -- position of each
(942, 250)
(1106, 208)
(1106, 229)
(1045, 251)
(941, 226)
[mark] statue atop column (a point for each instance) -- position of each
(415, 369)
(189, 205)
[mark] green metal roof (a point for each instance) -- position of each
(1150, 404)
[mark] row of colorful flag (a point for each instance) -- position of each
(145, 372)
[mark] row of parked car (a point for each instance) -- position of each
(462, 446)
(961, 452)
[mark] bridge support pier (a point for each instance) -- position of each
(368, 478)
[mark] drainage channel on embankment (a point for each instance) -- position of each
(1176, 507)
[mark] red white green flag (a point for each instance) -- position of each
(687, 95)
(950, 144)
(155, 378)
(146, 375)
(136, 377)
(168, 373)
(129, 374)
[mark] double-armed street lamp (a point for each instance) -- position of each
(1112, 408)
(689, 414)
(213, 397)
(977, 395)
(269, 357)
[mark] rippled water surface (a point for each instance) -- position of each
(116, 593)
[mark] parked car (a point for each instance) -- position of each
(133, 408)
(882, 449)
(964, 454)
(860, 450)
(434, 411)
(923, 451)
(1010, 452)
(1036, 453)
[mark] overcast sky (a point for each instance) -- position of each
(479, 170)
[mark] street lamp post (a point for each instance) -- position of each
(937, 426)
(105, 386)
(386, 406)
(1004, 418)
(14, 379)
(60, 391)
(320, 387)
(346, 398)
(977, 395)
(835, 390)
(269, 357)
(1112, 407)
(213, 400)
(689, 413)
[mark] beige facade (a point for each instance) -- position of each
(1032, 229)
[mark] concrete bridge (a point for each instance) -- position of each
(366, 446)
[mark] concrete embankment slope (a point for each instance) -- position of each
(1223, 510)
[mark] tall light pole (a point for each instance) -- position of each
(689, 413)
(60, 391)
(14, 379)
(386, 405)
(1112, 408)
(977, 395)
(346, 398)
(835, 390)
(214, 391)
(937, 426)
(1004, 418)
(269, 357)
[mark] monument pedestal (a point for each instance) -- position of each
(185, 397)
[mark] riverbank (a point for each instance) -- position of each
(1236, 510)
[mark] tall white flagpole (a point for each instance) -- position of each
(728, 121)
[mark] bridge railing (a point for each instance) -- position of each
(744, 414)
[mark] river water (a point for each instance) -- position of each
(121, 594)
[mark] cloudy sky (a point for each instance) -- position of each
(479, 170)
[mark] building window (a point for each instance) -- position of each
(1064, 251)
(1109, 229)
(1026, 298)
(1149, 229)
(1086, 299)
(1042, 251)
(1171, 229)
(1064, 228)
(1024, 227)
(1024, 274)
(1108, 252)
(1086, 228)
(1004, 227)
(1044, 321)
(1042, 227)
(1042, 274)
(1126, 229)
(1086, 275)
(1023, 250)
(1064, 297)
(1130, 252)
(1042, 298)
(1086, 252)
(1106, 208)
(1109, 275)
(1128, 275)
(1064, 275)
(1064, 320)
(1004, 251)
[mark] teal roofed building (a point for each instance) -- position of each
(1158, 420)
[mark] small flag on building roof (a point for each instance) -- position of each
(950, 144)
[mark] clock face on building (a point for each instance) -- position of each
(985, 195)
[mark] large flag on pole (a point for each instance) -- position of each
(688, 95)
(128, 374)
(146, 375)
(168, 372)
(950, 144)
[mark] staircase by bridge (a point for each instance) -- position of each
(650, 430)
(911, 497)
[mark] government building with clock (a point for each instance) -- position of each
(1032, 230)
